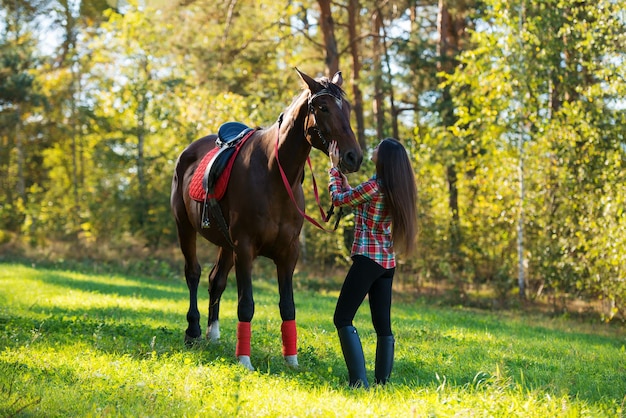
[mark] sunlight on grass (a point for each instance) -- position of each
(113, 384)
(76, 344)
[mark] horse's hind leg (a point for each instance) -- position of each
(245, 304)
(187, 240)
(217, 284)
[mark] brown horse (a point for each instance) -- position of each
(262, 219)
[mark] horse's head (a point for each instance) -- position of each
(329, 120)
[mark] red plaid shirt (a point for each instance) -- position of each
(372, 221)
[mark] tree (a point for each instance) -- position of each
(354, 26)
(472, 88)
(19, 98)
(573, 156)
(327, 26)
(452, 22)
(137, 103)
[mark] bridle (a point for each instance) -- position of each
(326, 143)
(311, 111)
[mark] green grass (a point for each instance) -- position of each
(87, 344)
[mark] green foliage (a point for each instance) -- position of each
(539, 87)
(15, 81)
(547, 90)
(93, 344)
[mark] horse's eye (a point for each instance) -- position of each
(323, 108)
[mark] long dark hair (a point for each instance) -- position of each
(395, 173)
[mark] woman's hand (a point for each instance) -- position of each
(333, 153)
(344, 182)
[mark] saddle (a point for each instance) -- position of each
(212, 174)
(229, 135)
(210, 179)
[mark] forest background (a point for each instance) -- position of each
(513, 112)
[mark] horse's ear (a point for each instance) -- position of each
(338, 79)
(313, 85)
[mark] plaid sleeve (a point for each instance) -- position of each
(350, 196)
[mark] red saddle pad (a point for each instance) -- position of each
(196, 191)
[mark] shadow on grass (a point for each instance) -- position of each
(435, 346)
(125, 286)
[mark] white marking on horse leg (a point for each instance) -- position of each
(213, 333)
(245, 362)
(292, 361)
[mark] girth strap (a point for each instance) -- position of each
(211, 206)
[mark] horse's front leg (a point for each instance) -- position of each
(217, 284)
(245, 305)
(287, 306)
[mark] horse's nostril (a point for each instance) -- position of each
(351, 160)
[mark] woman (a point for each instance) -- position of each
(385, 220)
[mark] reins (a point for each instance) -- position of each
(325, 216)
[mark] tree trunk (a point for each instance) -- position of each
(141, 163)
(451, 29)
(19, 148)
(142, 108)
(328, 31)
(379, 111)
(353, 24)
(521, 282)
(392, 101)
(75, 124)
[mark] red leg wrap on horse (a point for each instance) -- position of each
(290, 338)
(243, 339)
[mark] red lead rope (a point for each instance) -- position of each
(290, 192)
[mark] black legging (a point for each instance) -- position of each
(366, 277)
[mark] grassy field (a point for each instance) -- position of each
(85, 344)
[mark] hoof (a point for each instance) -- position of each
(213, 333)
(245, 362)
(292, 361)
(191, 341)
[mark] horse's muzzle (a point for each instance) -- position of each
(351, 161)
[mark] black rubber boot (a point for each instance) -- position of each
(353, 355)
(384, 359)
